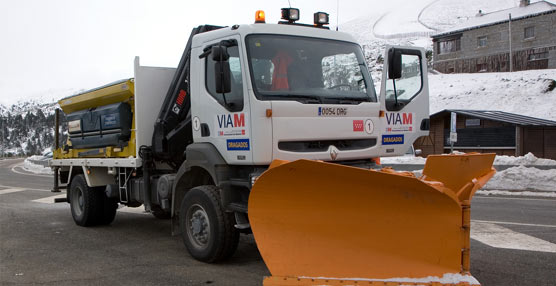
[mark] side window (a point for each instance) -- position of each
(410, 83)
(233, 100)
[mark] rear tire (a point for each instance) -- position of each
(208, 231)
(109, 207)
(85, 203)
(90, 206)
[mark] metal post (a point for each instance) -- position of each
(57, 130)
(510, 37)
(56, 187)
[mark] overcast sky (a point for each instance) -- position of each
(51, 47)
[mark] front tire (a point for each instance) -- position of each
(208, 231)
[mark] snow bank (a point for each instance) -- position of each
(405, 160)
(523, 178)
(529, 160)
(30, 165)
(514, 193)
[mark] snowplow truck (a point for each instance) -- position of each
(275, 130)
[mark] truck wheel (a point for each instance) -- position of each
(159, 213)
(109, 207)
(85, 202)
(208, 231)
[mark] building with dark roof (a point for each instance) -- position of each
(486, 131)
(483, 43)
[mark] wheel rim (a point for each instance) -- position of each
(77, 201)
(197, 226)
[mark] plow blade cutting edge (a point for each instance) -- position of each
(317, 223)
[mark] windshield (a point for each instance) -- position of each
(308, 70)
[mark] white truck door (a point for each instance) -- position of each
(404, 95)
(222, 119)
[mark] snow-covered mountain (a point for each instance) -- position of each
(27, 127)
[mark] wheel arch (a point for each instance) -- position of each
(200, 168)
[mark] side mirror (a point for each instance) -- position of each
(219, 53)
(222, 72)
(394, 64)
(222, 77)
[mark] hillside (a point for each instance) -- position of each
(528, 93)
(26, 128)
(531, 93)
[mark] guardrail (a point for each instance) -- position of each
(43, 163)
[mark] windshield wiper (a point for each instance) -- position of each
(295, 97)
(350, 98)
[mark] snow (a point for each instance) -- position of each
(514, 193)
(502, 16)
(447, 278)
(401, 21)
(443, 15)
(521, 178)
(526, 92)
(528, 159)
(406, 160)
(31, 166)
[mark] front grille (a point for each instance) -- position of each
(323, 145)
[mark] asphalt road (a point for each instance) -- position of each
(514, 243)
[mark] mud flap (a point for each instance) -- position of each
(315, 220)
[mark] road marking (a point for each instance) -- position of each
(29, 189)
(514, 223)
(26, 173)
(12, 190)
(500, 237)
(49, 200)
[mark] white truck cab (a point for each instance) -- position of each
(303, 92)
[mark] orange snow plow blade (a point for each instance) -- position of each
(319, 223)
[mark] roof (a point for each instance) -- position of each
(498, 17)
(501, 116)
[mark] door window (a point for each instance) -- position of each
(410, 83)
(233, 100)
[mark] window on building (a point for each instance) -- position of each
(482, 41)
(538, 56)
(449, 46)
(529, 32)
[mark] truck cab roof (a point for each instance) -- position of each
(279, 29)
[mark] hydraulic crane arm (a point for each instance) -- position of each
(172, 129)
